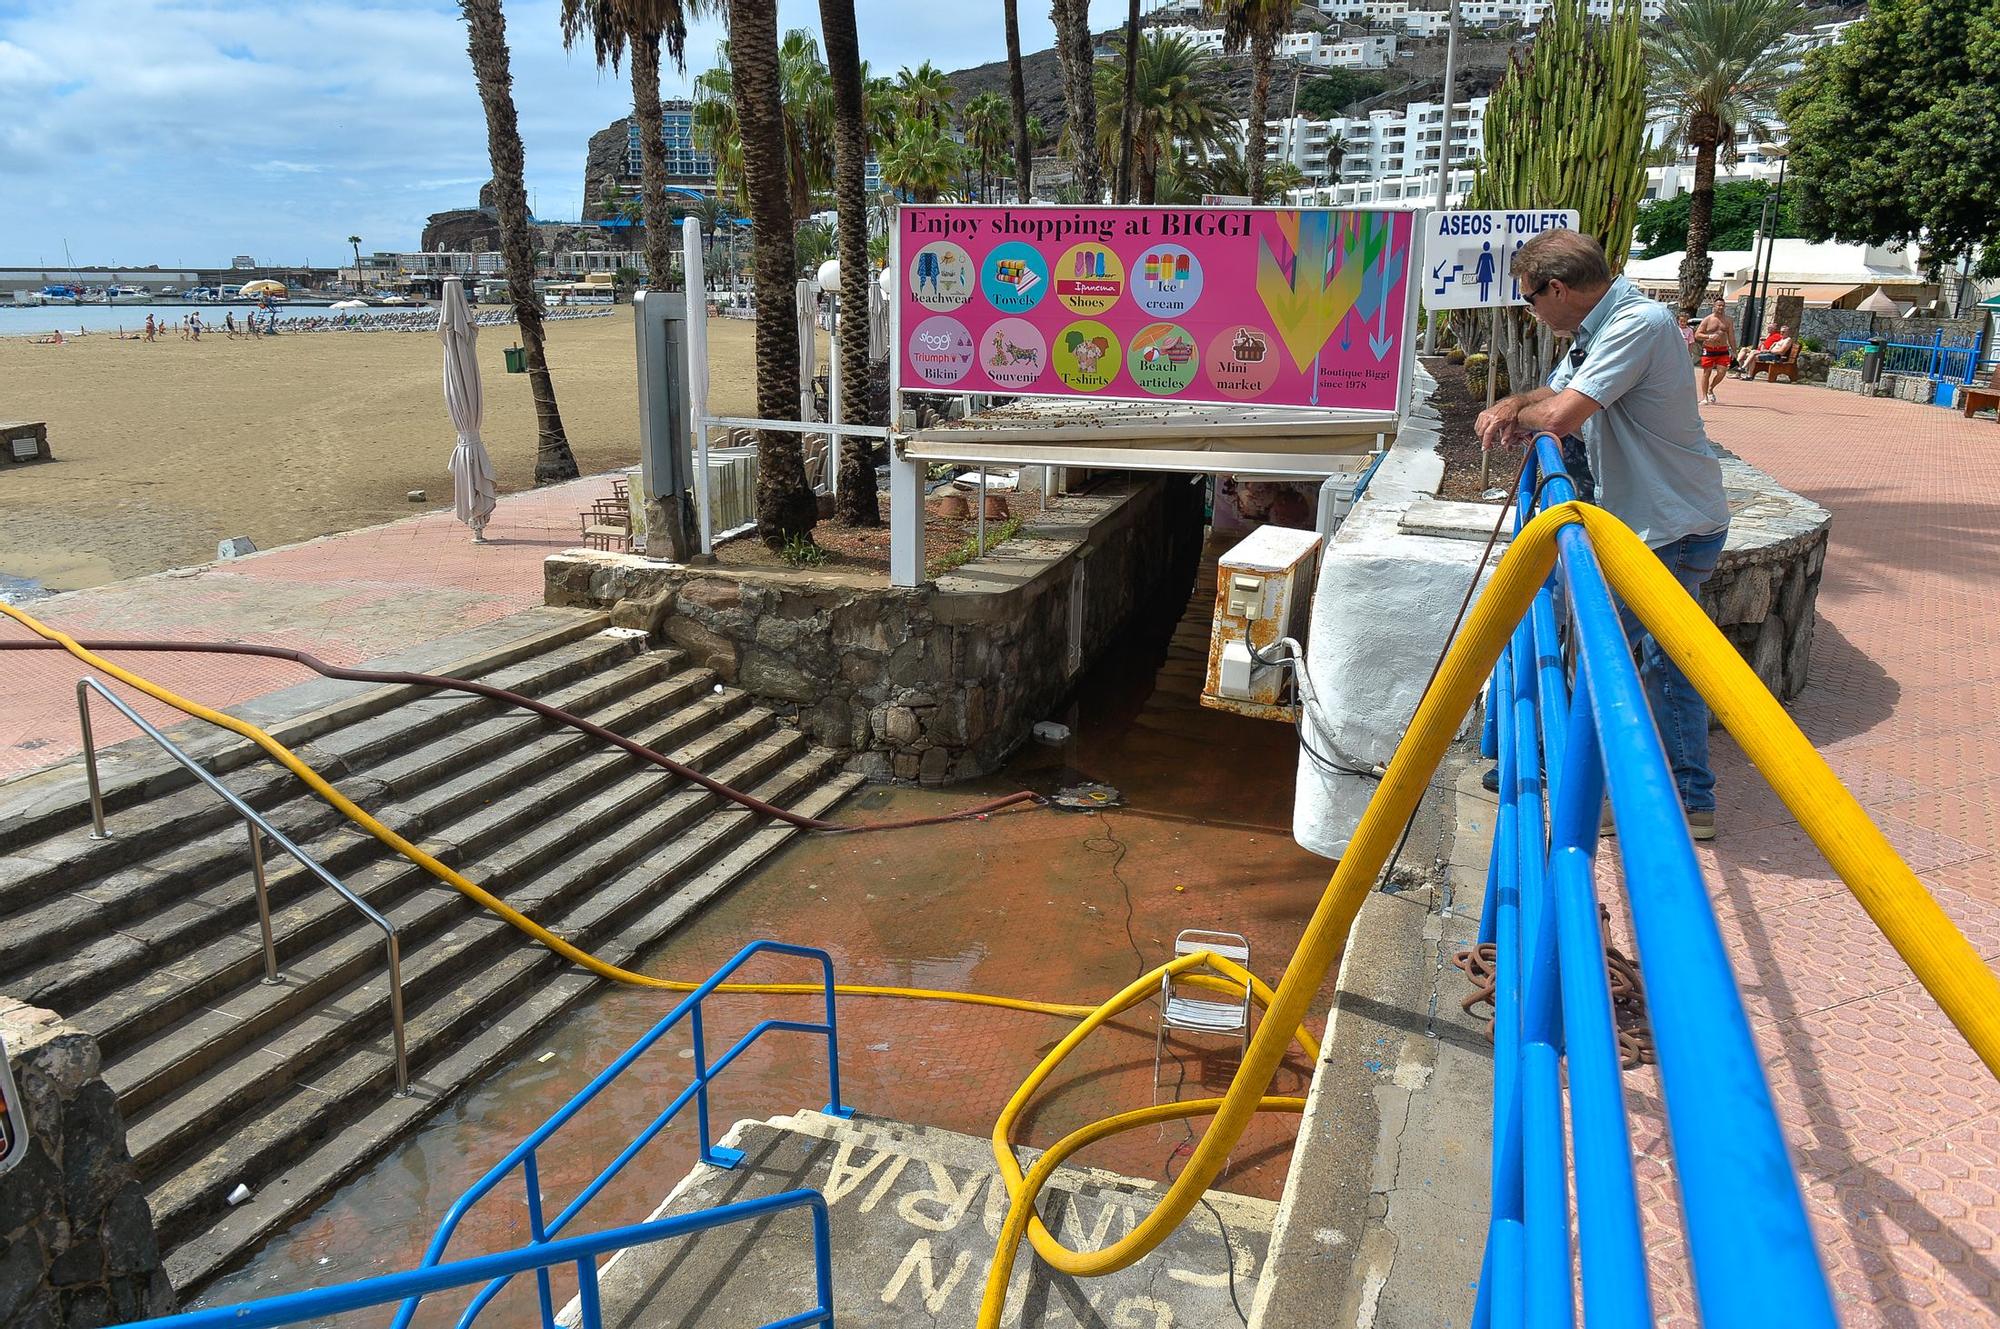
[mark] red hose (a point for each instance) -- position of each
(541, 708)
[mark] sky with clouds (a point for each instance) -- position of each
(187, 131)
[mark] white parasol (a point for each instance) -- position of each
(474, 490)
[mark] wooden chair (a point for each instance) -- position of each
(608, 524)
(1982, 398)
(1788, 367)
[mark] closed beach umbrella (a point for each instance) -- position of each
(474, 490)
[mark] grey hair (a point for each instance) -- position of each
(1573, 258)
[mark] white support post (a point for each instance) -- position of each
(692, 266)
(833, 397)
(906, 518)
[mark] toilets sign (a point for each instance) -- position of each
(1467, 254)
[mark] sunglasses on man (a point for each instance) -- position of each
(1536, 294)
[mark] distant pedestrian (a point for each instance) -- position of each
(1717, 336)
(194, 326)
(229, 326)
(149, 327)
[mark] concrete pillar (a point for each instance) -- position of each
(906, 518)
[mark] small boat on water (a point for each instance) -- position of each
(57, 295)
(127, 295)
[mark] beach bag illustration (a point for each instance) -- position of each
(1248, 346)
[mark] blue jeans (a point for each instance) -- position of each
(1678, 710)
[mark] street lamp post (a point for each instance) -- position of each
(1771, 243)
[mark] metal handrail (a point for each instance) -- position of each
(258, 826)
(523, 1155)
(1562, 747)
(316, 1305)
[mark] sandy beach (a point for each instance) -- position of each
(164, 449)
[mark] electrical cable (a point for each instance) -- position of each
(1118, 846)
(405, 678)
(1167, 1175)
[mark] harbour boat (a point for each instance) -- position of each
(127, 295)
(58, 295)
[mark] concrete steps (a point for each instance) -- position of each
(150, 939)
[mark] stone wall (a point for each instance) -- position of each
(76, 1239)
(934, 684)
(1766, 585)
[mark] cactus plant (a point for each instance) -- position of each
(1566, 128)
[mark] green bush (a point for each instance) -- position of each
(1455, 356)
(1848, 359)
(1814, 344)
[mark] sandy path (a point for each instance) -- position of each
(164, 449)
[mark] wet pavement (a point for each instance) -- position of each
(1046, 904)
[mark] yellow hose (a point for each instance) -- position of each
(1941, 957)
(1935, 950)
(473, 891)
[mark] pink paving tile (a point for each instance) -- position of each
(1892, 1118)
(346, 598)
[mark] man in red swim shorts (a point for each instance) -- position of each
(1717, 338)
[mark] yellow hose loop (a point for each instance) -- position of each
(354, 813)
(1940, 956)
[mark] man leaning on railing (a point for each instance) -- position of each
(1624, 390)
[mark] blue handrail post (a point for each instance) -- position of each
(531, 1179)
(834, 1107)
(1937, 342)
(823, 1255)
(715, 1155)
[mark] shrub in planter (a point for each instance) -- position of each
(1455, 356)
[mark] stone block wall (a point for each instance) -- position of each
(934, 684)
(76, 1238)
(1765, 588)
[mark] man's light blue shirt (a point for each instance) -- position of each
(1655, 469)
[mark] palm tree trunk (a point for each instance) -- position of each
(1024, 160)
(487, 43)
(1695, 265)
(1072, 23)
(858, 505)
(1128, 121)
(785, 504)
(1263, 50)
(652, 157)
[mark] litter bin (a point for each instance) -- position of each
(517, 361)
(1871, 361)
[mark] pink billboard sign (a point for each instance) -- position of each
(1220, 305)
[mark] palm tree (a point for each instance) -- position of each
(1128, 122)
(644, 25)
(1072, 23)
(849, 76)
(1715, 65)
(1257, 24)
(985, 121)
(925, 93)
(355, 240)
(1178, 98)
(1186, 179)
(922, 162)
(1017, 94)
(805, 98)
(785, 506)
(486, 41)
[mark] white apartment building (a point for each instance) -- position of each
(1381, 145)
(1528, 13)
(1202, 39)
(1325, 50)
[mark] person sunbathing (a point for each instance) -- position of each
(1776, 346)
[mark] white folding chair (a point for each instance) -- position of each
(1205, 1013)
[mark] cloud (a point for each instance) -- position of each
(184, 131)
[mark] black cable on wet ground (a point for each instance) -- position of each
(1107, 842)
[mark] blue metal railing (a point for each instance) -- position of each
(523, 1155)
(1560, 746)
(315, 1305)
(1953, 362)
